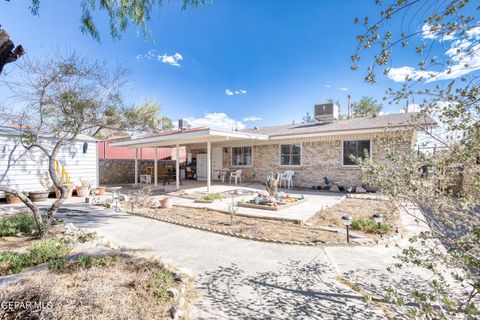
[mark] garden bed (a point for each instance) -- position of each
(323, 228)
(103, 287)
(278, 205)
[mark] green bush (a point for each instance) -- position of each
(46, 250)
(88, 262)
(212, 197)
(162, 280)
(57, 264)
(42, 251)
(11, 225)
(370, 226)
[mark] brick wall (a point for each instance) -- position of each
(321, 158)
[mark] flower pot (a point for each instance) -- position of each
(82, 191)
(69, 193)
(101, 190)
(38, 196)
(166, 203)
(11, 199)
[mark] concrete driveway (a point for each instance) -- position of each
(242, 279)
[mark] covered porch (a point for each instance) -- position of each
(191, 139)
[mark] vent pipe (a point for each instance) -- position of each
(349, 111)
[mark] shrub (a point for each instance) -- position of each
(42, 251)
(11, 225)
(88, 262)
(162, 280)
(46, 250)
(370, 226)
(212, 197)
(57, 264)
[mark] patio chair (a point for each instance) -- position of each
(237, 174)
(286, 179)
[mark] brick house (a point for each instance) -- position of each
(313, 151)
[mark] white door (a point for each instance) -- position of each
(202, 166)
(217, 162)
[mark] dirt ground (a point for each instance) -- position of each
(122, 290)
(312, 231)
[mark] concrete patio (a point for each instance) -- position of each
(315, 201)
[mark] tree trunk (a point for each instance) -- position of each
(32, 206)
(8, 51)
(52, 211)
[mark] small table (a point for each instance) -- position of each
(222, 173)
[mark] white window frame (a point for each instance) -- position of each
(240, 165)
(280, 155)
(349, 140)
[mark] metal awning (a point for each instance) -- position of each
(186, 137)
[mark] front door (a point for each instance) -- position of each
(217, 162)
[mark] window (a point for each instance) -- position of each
(356, 148)
(290, 154)
(241, 156)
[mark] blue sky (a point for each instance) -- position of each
(281, 57)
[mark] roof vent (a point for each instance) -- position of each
(326, 112)
(256, 127)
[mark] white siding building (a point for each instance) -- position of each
(26, 169)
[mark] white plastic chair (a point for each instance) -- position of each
(145, 178)
(237, 174)
(286, 179)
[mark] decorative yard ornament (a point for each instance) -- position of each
(8, 51)
(272, 184)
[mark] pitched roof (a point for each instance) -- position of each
(354, 124)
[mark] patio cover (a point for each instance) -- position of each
(185, 137)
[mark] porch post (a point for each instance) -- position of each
(155, 167)
(209, 155)
(177, 168)
(136, 165)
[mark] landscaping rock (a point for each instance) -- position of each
(334, 188)
(360, 189)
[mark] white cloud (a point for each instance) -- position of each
(173, 60)
(344, 89)
(465, 61)
(328, 86)
(411, 107)
(215, 120)
(229, 92)
(252, 118)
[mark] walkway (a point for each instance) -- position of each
(241, 279)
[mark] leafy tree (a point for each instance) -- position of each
(121, 14)
(446, 87)
(308, 118)
(367, 106)
(66, 96)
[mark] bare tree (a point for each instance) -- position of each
(65, 96)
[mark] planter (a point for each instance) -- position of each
(166, 203)
(11, 199)
(101, 190)
(38, 196)
(82, 191)
(69, 194)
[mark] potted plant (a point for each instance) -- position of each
(12, 199)
(166, 202)
(101, 190)
(83, 189)
(42, 195)
(64, 180)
